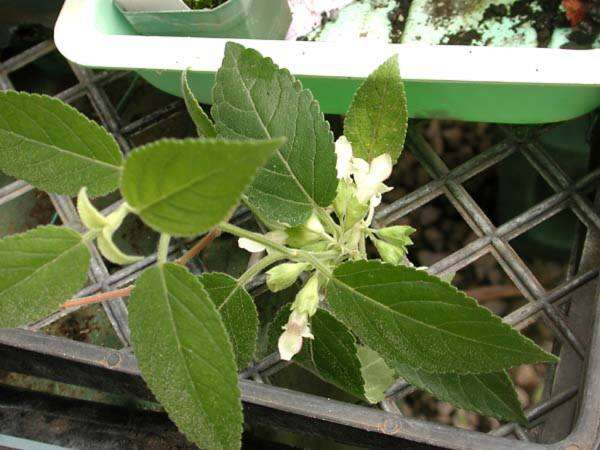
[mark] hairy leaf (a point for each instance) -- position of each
(377, 120)
(204, 125)
(237, 311)
(54, 147)
(490, 394)
(254, 98)
(186, 187)
(332, 355)
(185, 356)
(409, 317)
(377, 375)
(39, 270)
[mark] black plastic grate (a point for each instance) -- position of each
(543, 304)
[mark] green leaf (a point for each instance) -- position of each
(254, 98)
(204, 125)
(377, 120)
(237, 311)
(186, 187)
(489, 394)
(410, 317)
(185, 356)
(378, 377)
(54, 147)
(39, 270)
(331, 355)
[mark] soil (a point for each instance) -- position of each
(464, 37)
(204, 4)
(397, 17)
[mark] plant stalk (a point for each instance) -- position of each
(293, 254)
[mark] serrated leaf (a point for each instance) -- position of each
(185, 355)
(377, 376)
(186, 187)
(254, 98)
(54, 147)
(204, 125)
(410, 317)
(489, 394)
(238, 312)
(39, 270)
(331, 355)
(377, 120)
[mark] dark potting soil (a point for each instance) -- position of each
(204, 4)
(397, 17)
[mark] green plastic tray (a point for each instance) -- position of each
(494, 84)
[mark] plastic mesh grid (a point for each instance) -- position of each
(491, 239)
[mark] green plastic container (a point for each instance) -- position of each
(505, 85)
(251, 19)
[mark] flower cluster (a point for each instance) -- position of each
(360, 189)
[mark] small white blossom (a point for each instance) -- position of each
(290, 341)
(277, 236)
(369, 177)
(343, 151)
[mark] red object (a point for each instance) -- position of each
(576, 10)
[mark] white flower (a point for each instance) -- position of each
(290, 341)
(369, 178)
(277, 236)
(343, 151)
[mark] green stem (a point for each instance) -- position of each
(293, 254)
(327, 221)
(91, 235)
(257, 268)
(163, 248)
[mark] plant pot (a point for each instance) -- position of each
(251, 19)
(507, 85)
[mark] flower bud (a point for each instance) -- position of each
(345, 190)
(389, 253)
(110, 251)
(277, 236)
(284, 275)
(90, 216)
(309, 233)
(355, 212)
(307, 299)
(398, 235)
(314, 225)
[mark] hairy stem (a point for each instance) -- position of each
(293, 254)
(257, 268)
(163, 248)
(104, 296)
(125, 292)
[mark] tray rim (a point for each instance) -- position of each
(80, 39)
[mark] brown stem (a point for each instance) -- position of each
(125, 292)
(198, 247)
(98, 297)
